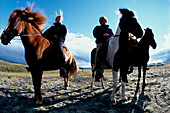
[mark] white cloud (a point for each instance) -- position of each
(81, 46)
(164, 46)
(167, 40)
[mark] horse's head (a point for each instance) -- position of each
(17, 23)
(150, 37)
(12, 28)
(129, 23)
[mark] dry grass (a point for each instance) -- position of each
(20, 70)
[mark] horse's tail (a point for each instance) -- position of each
(72, 67)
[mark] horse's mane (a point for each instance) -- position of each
(35, 18)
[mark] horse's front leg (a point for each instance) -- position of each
(93, 71)
(144, 74)
(123, 84)
(124, 98)
(139, 76)
(36, 78)
(114, 87)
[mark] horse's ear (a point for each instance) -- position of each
(126, 12)
(147, 28)
(122, 11)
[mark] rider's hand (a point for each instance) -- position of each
(106, 34)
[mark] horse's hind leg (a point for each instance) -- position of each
(102, 79)
(66, 82)
(92, 81)
(36, 78)
(102, 83)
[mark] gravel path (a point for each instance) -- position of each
(16, 95)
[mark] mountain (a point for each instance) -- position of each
(12, 54)
(15, 53)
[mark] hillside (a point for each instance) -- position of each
(12, 67)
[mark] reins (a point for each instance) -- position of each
(31, 35)
(28, 35)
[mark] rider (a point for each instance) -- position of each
(102, 33)
(132, 45)
(57, 34)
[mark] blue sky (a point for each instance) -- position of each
(81, 16)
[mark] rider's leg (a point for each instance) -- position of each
(99, 71)
(63, 72)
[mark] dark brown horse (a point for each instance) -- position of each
(40, 55)
(141, 53)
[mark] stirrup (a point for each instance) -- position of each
(130, 69)
(63, 72)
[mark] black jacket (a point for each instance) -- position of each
(56, 33)
(99, 31)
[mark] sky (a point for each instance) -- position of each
(81, 16)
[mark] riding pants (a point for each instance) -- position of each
(97, 59)
(60, 52)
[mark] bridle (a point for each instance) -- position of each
(127, 26)
(13, 32)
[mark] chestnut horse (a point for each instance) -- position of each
(40, 55)
(117, 53)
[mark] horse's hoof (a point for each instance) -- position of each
(66, 88)
(114, 102)
(124, 98)
(104, 78)
(38, 102)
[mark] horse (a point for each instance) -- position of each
(40, 54)
(140, 56)
(117, 53)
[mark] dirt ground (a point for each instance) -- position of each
(16, 94)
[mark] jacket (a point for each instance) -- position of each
(99, 32)
(56, 33)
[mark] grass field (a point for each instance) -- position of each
(19, 69)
